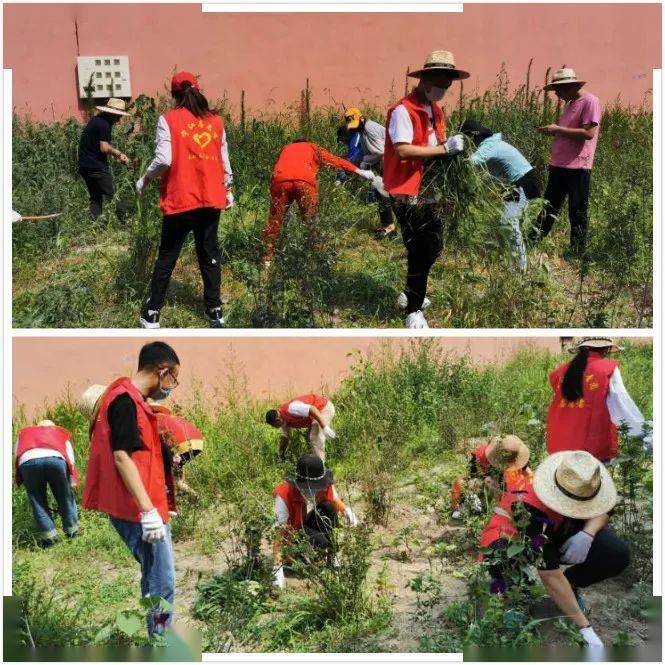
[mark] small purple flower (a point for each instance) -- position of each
(498, 585)
(161, 619)
(538, 541)
(543, 519)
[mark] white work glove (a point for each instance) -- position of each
(152, 527)
(350, 517)
(476, 503)
(230, 201)
(377, 181)
(140, 185)
(364, 173)
(329, 432)
(454, 145)
(590, 637)
(338, 183)
(576, 548)
(278, 579)
(16, 217)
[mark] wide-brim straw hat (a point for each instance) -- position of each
(115, 106)
(575, 484)
(595, 343)
(507, 453)
(565, 76)
(45, 423)
(90, 399)
(440, 62)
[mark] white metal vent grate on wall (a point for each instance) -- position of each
(105, 75)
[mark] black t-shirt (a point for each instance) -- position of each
(125, 434)
(90, 156)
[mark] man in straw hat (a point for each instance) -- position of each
(505, 456)
(573, 149)
(94, 149)
(417, 133)
(312, 485)
(590, 401)
(44, 458)
(126, 476)
(567, 505)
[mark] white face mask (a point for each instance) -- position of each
(435, 94)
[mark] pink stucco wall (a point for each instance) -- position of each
(347, 57)
(46, 369)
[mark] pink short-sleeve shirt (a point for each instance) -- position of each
(572, 153)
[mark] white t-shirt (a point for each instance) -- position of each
(401, 127)
(621, 407)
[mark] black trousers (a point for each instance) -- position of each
(203, 222)
(576, 185)
(608, 556)
(422, 234)
(100, 185)
(385, 211)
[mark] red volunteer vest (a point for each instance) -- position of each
(195, 178)
(519, 487)
(104, 489)
(319, 401)
(403, 176)
(177, 431)
(297, 505)
(50, 437)
(584, 424)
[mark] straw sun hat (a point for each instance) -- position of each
(595, 343)
(90, 399)
(507, 453)
(575, 484)
(45, 423)
(564, 76)
(115, 106)
(440, 62)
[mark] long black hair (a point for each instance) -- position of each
(572, 386)
(475, 131)
(193, 100)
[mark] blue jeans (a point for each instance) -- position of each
(510, 226)
(157, 569)
(39, 474)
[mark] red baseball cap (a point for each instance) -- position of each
(183, 77)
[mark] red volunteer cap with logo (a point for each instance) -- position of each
(183, 77)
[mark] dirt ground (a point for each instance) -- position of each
(404, 552)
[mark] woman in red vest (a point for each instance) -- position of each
(417, 133)
(294, 180)
(312, 484)
(192, 159)
(126, 474)
(311, 412)
(44, 458)
(590, 401)
(565, 506)
(491, 468)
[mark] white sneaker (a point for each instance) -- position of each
(402, 302)
(457, 515)
(416, 320)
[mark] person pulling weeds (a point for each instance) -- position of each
(366, 141)
(126, 477)
(507, 165)
(294, 179)
(312, 485)
(590, 401)
(44, 458)
(311, 412)
(566, 506)
(505, 456)
(573, 151)
(192, 160)
(416, 134)
(94, 149)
